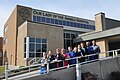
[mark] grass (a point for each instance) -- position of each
(2, 69)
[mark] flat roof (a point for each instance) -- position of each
(97, 35)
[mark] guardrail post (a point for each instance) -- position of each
(29, 69)
(113, 54)
(6, 71)
(78, 71)
(116, 53)
(47, 67)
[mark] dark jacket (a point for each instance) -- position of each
(51, 58)
(60, 57)
(84, 51)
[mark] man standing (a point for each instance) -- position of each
(90, 50)
(96, 49)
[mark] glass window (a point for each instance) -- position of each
(44, 40)
(82, 26)
(32, 39)
(44, 48)
(68, 43)
(52, 21)
(76, 35)
(24, 47)
(85, 26)
(64, 23)
(31, 47)
(24, 40)
(65, 44)
(60, 22)
(34, 18)
(72, 36)
(68, 23)
(74, 24)
(71, 24)
(64, 35)
(38, 40)
(43, 19)
(38, 19)
(48, 20)
(90, 27)
(67, 35)
(56, 21)
(38, 54)
(31, 55)
(77, 24)
(38, 47)
(93, 27)
(24, 55)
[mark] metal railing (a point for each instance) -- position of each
(33, 61)
(32, 68)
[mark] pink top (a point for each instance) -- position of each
(66, 61)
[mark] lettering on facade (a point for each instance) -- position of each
(24, 13)
(57, 16)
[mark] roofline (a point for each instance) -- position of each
(57, 13)
(98, 35)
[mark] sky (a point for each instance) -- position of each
(79, 8)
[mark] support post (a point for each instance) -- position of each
(116, 53)
(78, 72)
(6, 71)
(47, 67)
(113, 54)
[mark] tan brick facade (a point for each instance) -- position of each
(13, 50)
(36, 30)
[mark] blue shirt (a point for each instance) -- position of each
(90, 49)
(72, 55)
(96, 49)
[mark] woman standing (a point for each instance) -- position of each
(44, 61)
(65, 55)
(84, 52)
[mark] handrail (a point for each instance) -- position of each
(38, 65)
(31, 60)
(68, 59)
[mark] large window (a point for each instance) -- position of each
(36, 47)
(68, 39)
(62, 22)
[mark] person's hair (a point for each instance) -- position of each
(83, 43)
(70, 48)
(49, 51)
(75, 48)
(58, 49)
(94, 42)
(79, 46)
(45, 54)
(63, 50)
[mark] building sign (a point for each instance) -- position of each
(57, 16)
(24, 13)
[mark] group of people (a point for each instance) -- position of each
(84, 48)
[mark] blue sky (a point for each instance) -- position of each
(79, 8)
